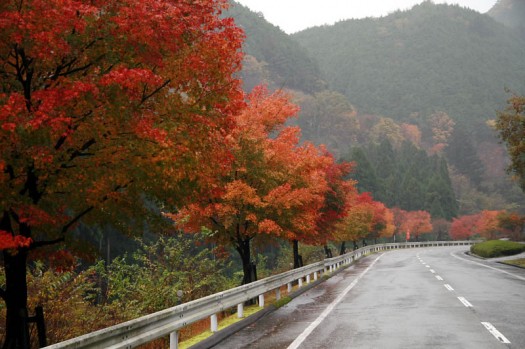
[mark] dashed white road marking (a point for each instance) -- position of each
(299, 340)
(495, 332)
(465, 302)
(432, 271)
(439, 278)
(428, 266)
(448, 287)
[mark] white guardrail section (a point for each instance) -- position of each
(169, 321)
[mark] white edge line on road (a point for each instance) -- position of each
(465, 302)
(495, 332)
(448, 287)
(487, 266)
(301, 338)
(439, 278)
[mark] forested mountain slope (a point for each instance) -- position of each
(511, 13)
(273, 56)
(430, 58)
(431, 76)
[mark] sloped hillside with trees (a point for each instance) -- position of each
(430, 58)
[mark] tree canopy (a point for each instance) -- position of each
(511, 127)
(103, 105)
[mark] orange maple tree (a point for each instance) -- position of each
(275, 187)
(417, 223)
(412, 223)
(512, 224)
(358, 221)
(462, 228)
(103, 104)
(487, 224)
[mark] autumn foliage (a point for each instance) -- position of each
(488, 224)
(115, 111)
(274, 188)
(363, 219)
(411, 224)
(102, 105)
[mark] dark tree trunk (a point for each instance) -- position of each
(364, 243)
(15, 292)
(343, 248)
(17, 332)
(248, 267)
(297, 258)
(328, 252)
(355, 245)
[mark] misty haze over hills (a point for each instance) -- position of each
(353, 78)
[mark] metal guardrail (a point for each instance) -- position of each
(169, 321)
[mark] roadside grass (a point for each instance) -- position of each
(248, 310)
(518, 262)
(497, 248)
(232, 319)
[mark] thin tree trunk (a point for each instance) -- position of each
(342, 251)
(248, 269)
(296, 258)
(328, 252)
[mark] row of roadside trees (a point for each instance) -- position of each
(130, 112)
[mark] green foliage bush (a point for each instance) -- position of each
(149, 279)
(134, 285)
(497, 248)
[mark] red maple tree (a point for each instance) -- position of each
(462, 228)
(275, 187)
(99, 100)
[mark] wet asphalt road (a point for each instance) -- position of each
(416, 298)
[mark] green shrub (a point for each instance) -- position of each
(497, 248)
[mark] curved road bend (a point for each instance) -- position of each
(415, 298)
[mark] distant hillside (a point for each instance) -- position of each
(273, 55)
(413, 63)
(400, 78)
(511, 13)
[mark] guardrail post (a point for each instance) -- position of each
(300, 282)
(174, 340)
(214, 323)
(261, 300)
(277, 294)
(289, 285)
(308, 278)
(240, 310)
(315, 276)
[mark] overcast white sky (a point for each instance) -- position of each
(295, 15)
